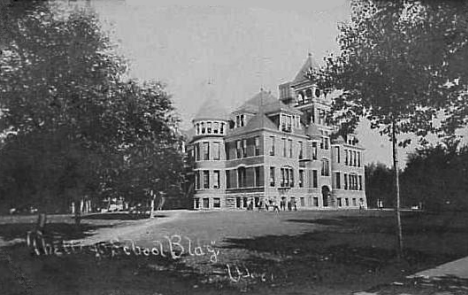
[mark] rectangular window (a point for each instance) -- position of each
(196, 204)
(291, 177)
(347, 202)
(345, 181)
(216, 203)
(221, 131)
(206, 203)
(272, 176)
(283, 181)
(244, 148)
(359, 159)
(301, 178)
(257, 145)
(216, 127)
(326, 142)
(316, 202)
(257, 176)
(216, 179)
(272, 145)
(197, 152)
(290, 148)
(228, 179)
(216, 151)
(302, 202)
(339, 202)
(355, 159)
(337, 154)
(197, 180)
(206, 151)
(203, 128)
(346, 157)
(314, 151)
(206, 179)
(338, 180)
(354, 202)
(208, 127)
(238, 149)
(284, 146)
(314, 178)
(360, 182)
(301, 150)
(226, 149)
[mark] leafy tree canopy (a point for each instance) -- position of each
(77, 125)
(401, 61)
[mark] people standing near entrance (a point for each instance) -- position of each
(283, 204)
(294, 205)
(266, 204)
(289, 205)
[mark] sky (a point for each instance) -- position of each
(228, 50)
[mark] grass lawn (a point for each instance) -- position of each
(235, 252)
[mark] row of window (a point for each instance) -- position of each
(205, 179)
(351, 181)
(206, 203)
(210, 127)
(202, 151)
(352, 158)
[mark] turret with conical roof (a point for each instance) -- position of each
(211, 119)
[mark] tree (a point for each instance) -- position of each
(77, 125)
(379, 184)
(399, 64)
(445, 186)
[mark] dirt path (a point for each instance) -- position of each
(130, 230)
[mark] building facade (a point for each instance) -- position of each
(271, 150)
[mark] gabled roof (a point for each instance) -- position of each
(279, 106)
(339, 140)
(211, 110)
(309, 63)
(267, 103)
(257, 122)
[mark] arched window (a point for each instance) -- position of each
(300, 96)
(317, 92)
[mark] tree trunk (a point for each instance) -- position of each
(153, 197)
(397, 190)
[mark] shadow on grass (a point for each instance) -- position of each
(354, 250)
(87, 273)
(413, 223)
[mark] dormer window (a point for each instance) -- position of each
(309, 93)
(240, 121)
(203, 128)
(215, 127)
(286, 123)
(222, 128)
